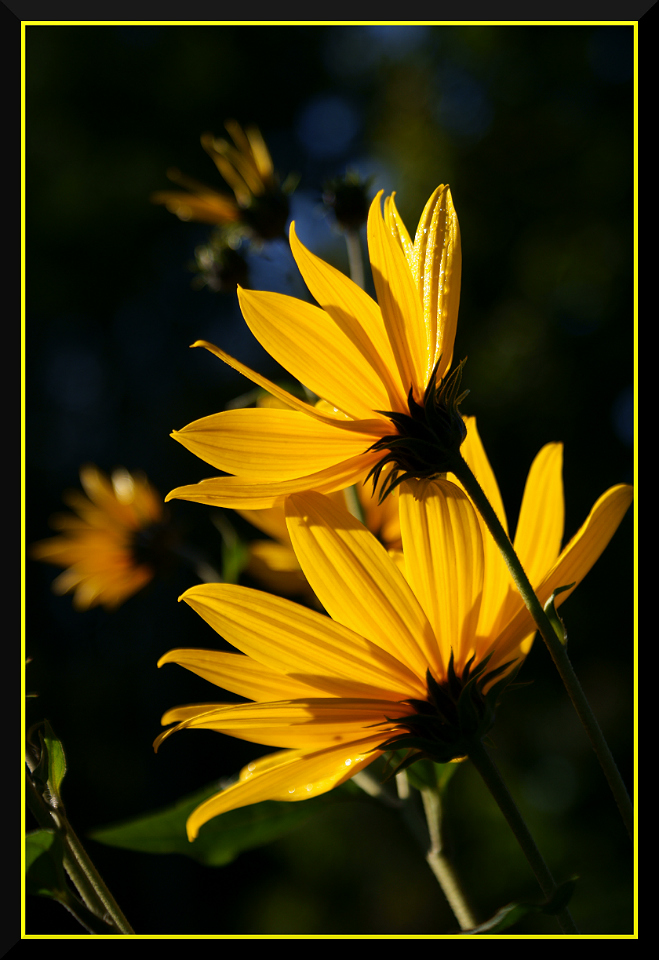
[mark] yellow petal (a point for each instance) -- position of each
(497, 582)
(577, 558)
(301, 777)
(358, 317)
(542, 515)
(443, 552)
(311, 723)
(239, 674)
(316, 351)
(437, 272)
(291, 639)
(237, 492)
(269, 444)
(573, 564)
(400, 304)
(287, 398)
(355, 580)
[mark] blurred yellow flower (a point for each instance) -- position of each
(107, 547)
(404, 641)
(259, 202)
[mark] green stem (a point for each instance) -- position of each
(485, 766)
(439, 863)
(84, 875)
(355, 261)
(556, 649)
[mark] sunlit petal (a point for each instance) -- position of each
(239, 674)
(356, 582)
(437, 271)
(236, 492)
(300, 778)
(542, 515)
(291, 639)
(269, 444)
(400, 303)
(443, 552)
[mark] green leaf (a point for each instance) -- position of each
(223, 838)
(45, 756)
(425, 773)
(513, 912)
(44, 873)
(552, 614)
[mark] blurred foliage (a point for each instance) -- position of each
(533, 128)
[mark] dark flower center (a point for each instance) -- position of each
(428, 440)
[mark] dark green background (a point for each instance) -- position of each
(533, 129)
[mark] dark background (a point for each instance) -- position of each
(533, 128)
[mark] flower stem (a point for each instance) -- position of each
(84, 875)
(488, 771)
(439, 863)
(556, 649)
(355, 261)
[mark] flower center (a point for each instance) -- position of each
(428, 440)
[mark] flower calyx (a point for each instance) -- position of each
(428, 440)
(457, 712)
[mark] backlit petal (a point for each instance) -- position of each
(400, 302)
(239, 674)
(310, 723)
(299, 778)
(269, 444)
(573, 564)
(356, 315)
(237, 492)
(443, 552)
(291, 639)
(437, 272)
(542, 515)
(305, 341)
(355, 580)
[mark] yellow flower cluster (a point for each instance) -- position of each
(412, 623)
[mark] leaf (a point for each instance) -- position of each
(513, 912)
(44, 874)
(221, 839)
(45, 757)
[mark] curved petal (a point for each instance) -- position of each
(542, 515)
(287, 398)
(355, 580)
(588, 544)
(294, 640)
(437, 271)
(237, 492)
(239, 674)
(573, 564)
(400, 304)
(298, 778)
(355, 314)
(305, 341)
(443, 552)
(497, 582)
(310, 723)
(267, 444)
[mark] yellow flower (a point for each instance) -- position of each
(246, 165)
(366, 360)
(403, 641)
(105, 547)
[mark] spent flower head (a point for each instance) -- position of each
(259, 206)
